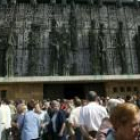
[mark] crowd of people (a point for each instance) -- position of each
(94, 118)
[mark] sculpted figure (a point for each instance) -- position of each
(33, 45)
(93, 49)
(137, 47)
(73, 37)
(120, 49)
(10, 53)
(64, 51)
(3, 50)
(102, 46)
(53, 48)
(8, 43)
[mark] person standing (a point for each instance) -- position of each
(44, 120)
(125, 119)
(5, 120)
(74, 119)
(57, 124)
(91, 116)
(30, 124)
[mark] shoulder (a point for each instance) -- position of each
(110, 135)
(61, 112)
(102, 108)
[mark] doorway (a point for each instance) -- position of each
(72, 90)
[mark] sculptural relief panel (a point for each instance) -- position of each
(77, 20)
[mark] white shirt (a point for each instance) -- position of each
(74, 116)
(91, 116)
(5, 115)
(42, 116)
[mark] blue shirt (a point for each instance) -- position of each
(31, 126)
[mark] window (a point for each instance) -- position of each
(129, 89)
(3, 94)
(122, 89)
(115, 89)
(135, 88)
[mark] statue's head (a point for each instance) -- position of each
(53, 23)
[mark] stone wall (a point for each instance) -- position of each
(114, 34)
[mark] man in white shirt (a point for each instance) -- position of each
(5, 120)
(91, 116)
(74, 119)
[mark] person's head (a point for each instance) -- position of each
(92, 96)
(112, 103)
(37, 108)
(46, 105)
(125, 119)
(55, 105)
(4, 101)
(77, 102)
(128, 99)
(31, 104)
(21, 108)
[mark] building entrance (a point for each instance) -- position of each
(72, 90)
